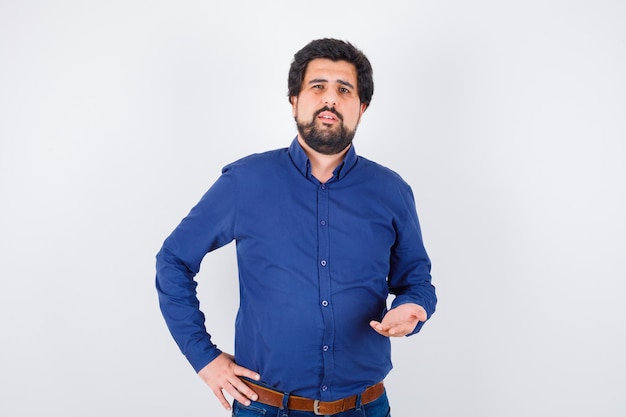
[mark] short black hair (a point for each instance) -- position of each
(335, 50)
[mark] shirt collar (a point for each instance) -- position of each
(302, 163)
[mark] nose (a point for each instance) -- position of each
(330, 98)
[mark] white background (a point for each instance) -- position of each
(507, 118)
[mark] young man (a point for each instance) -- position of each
(323, 236)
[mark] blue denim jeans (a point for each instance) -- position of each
(377, 408)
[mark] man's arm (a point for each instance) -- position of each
(208, 226)
(409, 279)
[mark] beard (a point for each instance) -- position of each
(323, 139)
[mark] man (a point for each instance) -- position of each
(322, 236)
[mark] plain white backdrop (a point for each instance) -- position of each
(507, 118)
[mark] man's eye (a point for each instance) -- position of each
(320, 86)
(344, 90)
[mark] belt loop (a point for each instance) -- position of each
(284, 409)
(358, 400)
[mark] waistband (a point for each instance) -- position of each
(275, 399)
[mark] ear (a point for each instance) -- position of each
(361, 111)
(294, 104)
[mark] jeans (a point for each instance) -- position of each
(377, 408)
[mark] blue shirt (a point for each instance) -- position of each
(316, 264)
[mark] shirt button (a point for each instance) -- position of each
(324, 388)
(323, 187)
(324, 303)
(325, 348)
(323, 263)
(323, 222)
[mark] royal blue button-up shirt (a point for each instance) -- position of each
(316, 264)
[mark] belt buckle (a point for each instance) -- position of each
(316, 408)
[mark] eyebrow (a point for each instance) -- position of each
(323, 80)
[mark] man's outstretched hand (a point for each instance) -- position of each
(222, 373)
(400, 321)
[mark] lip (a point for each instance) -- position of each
(328, 117)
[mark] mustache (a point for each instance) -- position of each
(329, 109)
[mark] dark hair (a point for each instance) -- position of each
(335, 50)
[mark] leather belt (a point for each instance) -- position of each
(321, 408)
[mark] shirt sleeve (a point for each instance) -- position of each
(409, 276)
(208, 226)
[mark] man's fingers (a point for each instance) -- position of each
(380, 328)
(376, 325)
(400, 330)
(238, 390)
(245, 390)
(241, 371)
(242, 387)
(222, 376)
(391, 329)
(237, 395)
(222, 399)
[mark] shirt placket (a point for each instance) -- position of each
(325, 300)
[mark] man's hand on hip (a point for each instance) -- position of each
(400, 321)
(222, 373)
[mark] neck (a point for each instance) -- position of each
(322, 166)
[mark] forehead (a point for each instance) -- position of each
(322, 68)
